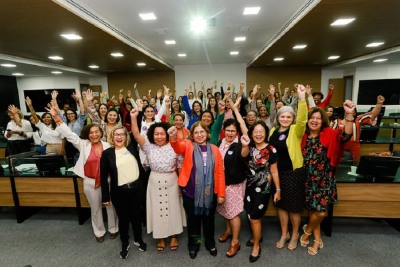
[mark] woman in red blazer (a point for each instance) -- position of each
(203, 168)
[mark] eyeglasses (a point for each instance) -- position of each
(119, 134)
(259, 132)
(251, 116)
(230, 131)
(199, 132)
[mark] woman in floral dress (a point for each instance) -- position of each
(322, 150)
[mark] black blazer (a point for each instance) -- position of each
(108, 168)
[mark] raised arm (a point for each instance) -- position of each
(239, 117)
(31, 109)
(377, 109)
(135, 128)
(349, 108)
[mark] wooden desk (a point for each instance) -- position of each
(28, 193)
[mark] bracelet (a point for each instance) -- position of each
(278, 190)
(352, 120)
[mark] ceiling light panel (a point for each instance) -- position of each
(55, 58)
(333, 57)
(93, 66)
(117, 54)
(198, 25)
(234, 53)
(375, 44)
(18, 74)
(299, 46)
(240, 39)
(342, 22)
(147, 16)
(380, 60)
(8, 65)
(56, 72)
(170, 42)
(251, 10)
(141, 64)
(181, 55)
(278, 59)
(71, 36)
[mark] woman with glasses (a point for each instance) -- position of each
(235, 177)
(122, 172)
(88, 167)
(262, 169)
(165, 215)
(202, 183)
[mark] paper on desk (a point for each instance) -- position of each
(26, 167)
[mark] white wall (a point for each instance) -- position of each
(186, 74)
(381, 71)
(55, 82)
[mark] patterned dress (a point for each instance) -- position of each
(259, 180)
(320, 182)
(165, 214)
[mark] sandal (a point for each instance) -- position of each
(174, 247)
(224, 237)
(302, 242)
(312, 251)
(282, 242)
(161, 245)
(293, 243)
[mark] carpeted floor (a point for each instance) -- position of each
(53, 237)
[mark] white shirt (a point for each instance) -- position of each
(26, 127)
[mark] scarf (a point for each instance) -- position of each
(204, 181)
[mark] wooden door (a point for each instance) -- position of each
(338, 93)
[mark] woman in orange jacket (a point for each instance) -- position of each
(203, 168)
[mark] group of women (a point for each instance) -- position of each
(197, 172)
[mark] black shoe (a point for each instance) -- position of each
(255, 258)
(213, 251)
(124, 252)
(142, 246)
(250, 243)
(193, 254)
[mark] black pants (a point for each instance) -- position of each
(194, 225)
(127, 203)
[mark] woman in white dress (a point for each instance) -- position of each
(165, 215)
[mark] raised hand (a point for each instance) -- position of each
(166, 90)
(52, 109)
(172, 132)
(245, 140)
(241, 85)
(139, 103)
(349, 107)
(380, 99)
(89, 95)
(54, 94)
(77, 94)
(121, 91)
(28, 101)
(331, 87)
(134, 86)
(308, 90)
(129, 93)
(186, 92)
(134, 113)
(13, 109)
(301, 91)
(271, 89)
(221, 106)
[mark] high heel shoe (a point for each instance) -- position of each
(282, 241)
(255, 258)
(233, 250)
(302, 242)
(312, 251)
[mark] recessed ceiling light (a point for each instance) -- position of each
(170, 42)
(93, 66)
(380, 60)
(147, 16)
(56, 72)
(18, 74)
(234, 53)
(7, 65)
(278, 59)
(240, 39)
(251, 10)
(55, 57)
(375, 44)
(181, 55)
(333, 57)
(71, 36)
(141, 64)
(299, 46)
(342, 22)
(198, 25)
(117, 54)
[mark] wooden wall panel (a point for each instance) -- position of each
(45, 185)
(145, 81)
(6, 198)
(46, 200)
(286, 76)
